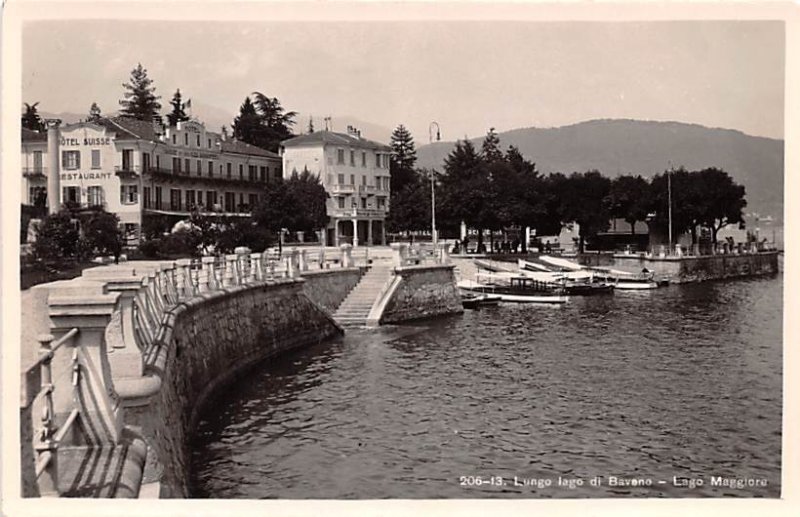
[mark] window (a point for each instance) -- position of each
(198, 140)
(252, 170)
(363, 159)
(71, 194)
(340, 199)
(263, 173)
(94, 195)
(146, 193)
(186, 139)
(378, 160)
(340, 179)
(352, 158)
(241, 202)
(71, 160)
(199, 168)
(174, 139)
(190, 200)
(145, 162)
(209, 143)
(353, 179)
(229, 170)
(210, 169)
(363, 202)
(199, 198)
(129, 194)
(176, 165)
(158, 198)
(95, 158)
(363, 180)
(277, 172)
(35, 193)
(385, 183)
(241, 171)
(340, 156)
(37, 161)
(230, 201)
(220, 170)
(252, 200)
(175, 199)
(211, 199)
(381, 202)
(188, 164)
(158, 162)
(378, 182)
(127, 159)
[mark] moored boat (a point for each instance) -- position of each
(518, 289)
(474, 301)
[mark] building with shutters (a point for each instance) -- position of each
(355, 173)
(134, 169)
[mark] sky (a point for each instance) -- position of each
(465, 75)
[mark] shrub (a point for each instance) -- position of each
(58, 237)
(102, 234)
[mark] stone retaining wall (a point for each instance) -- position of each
(202, 344)
(423, 291)
(329, 287)
(708, 267)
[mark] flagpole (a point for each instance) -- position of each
(669, 196)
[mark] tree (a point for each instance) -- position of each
(629, 199)
(140, 100)
(178, 114)
(31, 119)
(584, 200)
(247, 126)
(403, 158)
(275, 122)
(94, 112)
(102, 234)
(723, 200)
(410, 206)
(297, 204)
(687, 202)
(490, 149)
(57, 238)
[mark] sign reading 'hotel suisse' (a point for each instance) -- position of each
(103, 140)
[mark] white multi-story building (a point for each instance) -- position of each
(355, 173)
(134, 168)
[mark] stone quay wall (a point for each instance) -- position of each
(329, 287)
(203, 343)
(422, 292)
(702, 268)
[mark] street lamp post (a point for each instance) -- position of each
(434, 239)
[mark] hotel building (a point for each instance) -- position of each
(355, 173)
(134, 169)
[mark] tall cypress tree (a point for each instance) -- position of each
(177, 114)
(247, 125)
(490, 149)
(140, 100)
(404, 156)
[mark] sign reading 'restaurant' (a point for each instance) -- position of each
(67, 176)
(86, 141)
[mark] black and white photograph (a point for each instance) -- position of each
(397, 254)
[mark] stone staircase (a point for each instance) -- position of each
(354, 310)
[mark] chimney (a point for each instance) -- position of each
(53, 178)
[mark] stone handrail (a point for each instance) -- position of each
(108, 321)
(404, 254)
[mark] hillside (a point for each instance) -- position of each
(617, 147)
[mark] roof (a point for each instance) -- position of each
(130, 128)
(33, 136)
(331, 138)
(237, 146)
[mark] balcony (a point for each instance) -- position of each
(343, 189)
(127, 170)
(34, 172)
(359, 212)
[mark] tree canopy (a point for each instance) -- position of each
(140, 100)
(177, 114)
(31, 119)
(263, 122)
(297, 204)
(94, 112)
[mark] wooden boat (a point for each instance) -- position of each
(518, 289)
(588, 288)
(474, 301)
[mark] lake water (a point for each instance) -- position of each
(664, 388)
